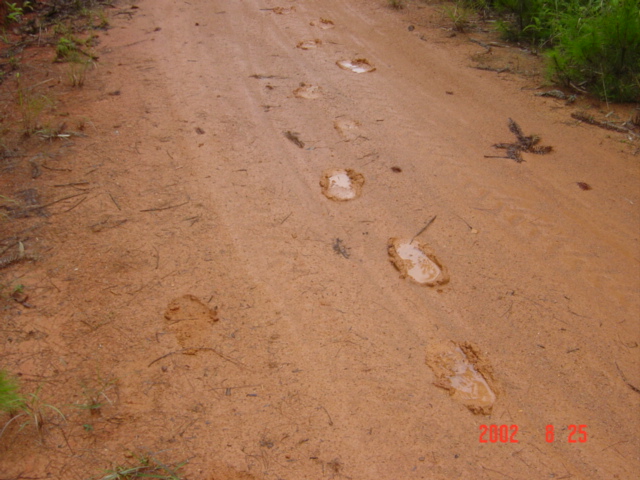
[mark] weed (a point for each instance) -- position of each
(101, 21)
(14, 62)
(82, 122)
(396, 4)
(65, 47)
(10, 398)
(29, 408)
(96, 396)
(15, 12)
(71, 48)
(31, 105)
(459, 15)
(7, 205)
(61, 28)
(77, 71)
(145, 467)
(32, 411)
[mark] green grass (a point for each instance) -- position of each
(10, 398)
(77, 72)
(32, 411)
(28, 409)
(591, 45)
(31, 105)
(459, 14)
(95, 394)
(600, 50)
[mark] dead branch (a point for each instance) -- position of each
(583, 117)
(192, 351)
(164, 208)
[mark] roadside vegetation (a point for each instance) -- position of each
(67, 25)
(47, 49)
(590, 45)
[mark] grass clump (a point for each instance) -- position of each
(459, 13)
(144, 467)
(95, 394)
(77, 72)
(31, 105)
(30, 409)
(77, 54)
(10, 398)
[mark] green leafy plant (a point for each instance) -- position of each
(396, 4)
(16, 12)
(527, 19)
(71, 48)
(66, 47)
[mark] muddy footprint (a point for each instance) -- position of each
(415, 260)
(341, 184)
(309, 44)
(460, 369)
(323, 23)
(309, 92)
(190, 320)
(347, 128)
(358, 65)
(282, 10)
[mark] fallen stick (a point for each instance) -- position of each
(36, 207)
(191, 351)
(422, 230)
(583, 117)
(164, 208)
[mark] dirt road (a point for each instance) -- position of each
(219, 307)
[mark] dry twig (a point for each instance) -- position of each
(423, 229)
(583, 117)
(293, 136)
(158, 209)
(193, 351)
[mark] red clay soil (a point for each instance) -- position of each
(190, 293)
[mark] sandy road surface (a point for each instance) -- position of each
(287, 354)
